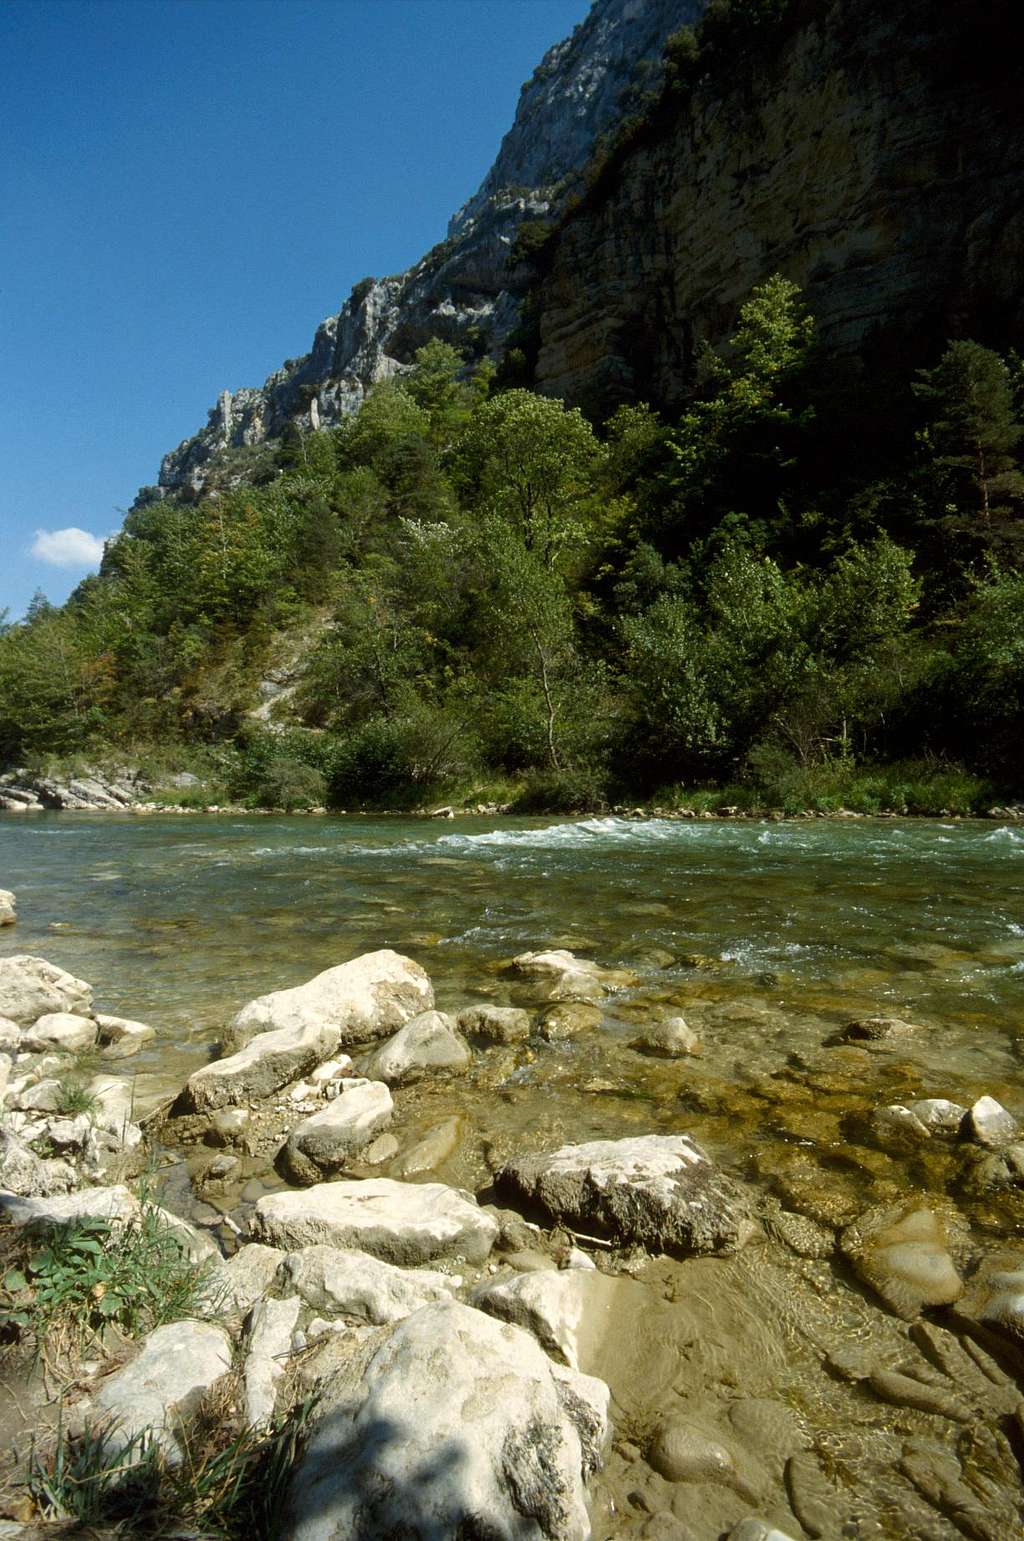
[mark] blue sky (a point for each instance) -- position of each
(188, 187)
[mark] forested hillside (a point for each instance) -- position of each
(468, 589)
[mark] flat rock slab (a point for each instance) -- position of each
(166, 1381)
(662, 1191)
(457, 1425)
(336, 1282)
(562, 1308)
(428, 1042)
(368, 997)
(269, 1348)
(906, 1256)
(403, 1223)
(268, 1062)
(30, 987)
(114, 1204)
(323, 1143)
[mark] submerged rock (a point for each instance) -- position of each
(568, 1018)
(671, 1039)
(429, 1152)
(119, 1037)
(662, 1191)
(565, 977)
(988, 1123)
(323, 1143)
(268, 1062)
(905, 1257)
(503, 1450)
(30, 988)
(367, 997)
(877, 1029)
(404, 1223)
(334, 1281)
(427, 1042)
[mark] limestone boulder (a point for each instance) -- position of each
(495, 1024)
(323, 1143)
(368, 997)
(119, 1037)
(176, 1365)
(671, 1039)
(8, 908)
(269, 1348)
(334, 1281)
(27, 1175)
(267, 1062)
(62, 1032)
(427, 1043)
(116, 1204)
(561, 976)
(455, 1425)
(31, 987)
(402, 1223)
(233, 1285)
(558, 1306)
(662, 1191)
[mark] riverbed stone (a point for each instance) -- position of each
(10, 1036)
(503, 1451)
(269, 1347)
(8, 907)
(495, 1024)
(324, 1142)
(877, 1029)
(44, 1213)
(431, 1150)
(938, 1114)
(988, 1123)
(682, 1451)
(175, 1366)
(62, 1031)
(335, 1281)
(553, 1304)
(30, 987)
(234, 1284)
(662, 1191)
(368, 997)
(905, 1255)
(267, 1062)
(671, 1039)
(120, 1038)
(428, 1042)
(565, 977)
(402, 1223)
(382, 1149)
(567, 1019)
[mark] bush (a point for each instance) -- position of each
(568, 791)
(288, 783)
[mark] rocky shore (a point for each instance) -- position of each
(631, 1336)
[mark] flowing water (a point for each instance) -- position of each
(766, 937)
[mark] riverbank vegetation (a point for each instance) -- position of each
(804, 588)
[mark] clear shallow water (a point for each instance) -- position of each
(179, 920)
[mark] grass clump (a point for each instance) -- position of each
(81, 1278)
(76, 1098)
(230, 1484)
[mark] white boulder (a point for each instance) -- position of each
(403, 1223)
(366, 998)
(31, 987)
(427, 1042)
(324, 1142)
(335, 1282)
(165, 1382)
(266, 1063)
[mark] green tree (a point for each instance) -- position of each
(973, 427)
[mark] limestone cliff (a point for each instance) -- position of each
(463, 290)
(872, 152)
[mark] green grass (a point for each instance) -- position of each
(231, 1483)
(62, 1290)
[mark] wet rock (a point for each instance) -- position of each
(119, 1037)
(269, 1347)
(671, 1039)
(802, 1235)
(568, 978)
(1004, 1305)
(8, 908)
(176, 1365)
(754, 1529)
(426, 1043)
(403, 1223)
(813, 1500)
(336, 1282)
(495, 1024)
(228, 1125)
(877, 1029)
(661, 1191)
(567, 1019)
(938, 1115)
(683, 1452)
(988, 1123)
(39, 1213)
(907, 1391)
(901, 1121)
(905, 1257)
(324, 1143)
(268, 1062)
(365, 998)
(434, 1148)
(382, 1149)
(31, 987)
(234, 1284)
(504, 1452)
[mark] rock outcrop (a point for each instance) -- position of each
(464, 290)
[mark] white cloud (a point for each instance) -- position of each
(68, 548)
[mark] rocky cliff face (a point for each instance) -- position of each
(875, 155)
(463, 290)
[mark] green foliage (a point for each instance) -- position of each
(92, 1274)
(973, 427)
